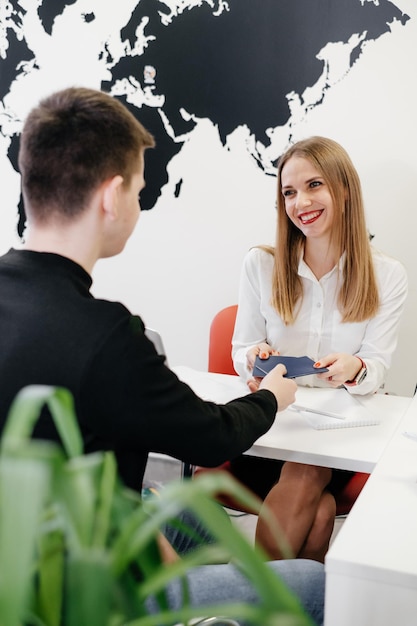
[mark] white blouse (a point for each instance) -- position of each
(318, 329)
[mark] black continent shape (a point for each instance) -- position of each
(237, 68)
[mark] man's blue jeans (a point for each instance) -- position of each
(210, 584)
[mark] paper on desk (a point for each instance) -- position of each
(219, 388)
(337, 401)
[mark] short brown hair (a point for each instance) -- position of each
(74, 140)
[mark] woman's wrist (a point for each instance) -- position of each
(359, 376)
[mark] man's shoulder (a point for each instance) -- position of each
(116, 311)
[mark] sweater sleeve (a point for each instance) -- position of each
(131, 399)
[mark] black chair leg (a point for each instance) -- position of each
(187, 470)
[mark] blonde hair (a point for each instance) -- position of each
(358, 297)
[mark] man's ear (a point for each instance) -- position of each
(110, 196)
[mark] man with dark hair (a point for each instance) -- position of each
(82, 160)
(71, 143)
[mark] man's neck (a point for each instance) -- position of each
(70, 241)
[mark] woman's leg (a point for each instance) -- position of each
(317, 542)
(297, 505)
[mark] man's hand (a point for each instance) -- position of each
(283, 388)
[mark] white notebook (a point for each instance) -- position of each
(336, 401)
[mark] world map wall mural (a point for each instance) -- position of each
(230, 62)
(225, 86)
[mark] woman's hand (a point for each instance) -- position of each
(341, 368)
(263, 350)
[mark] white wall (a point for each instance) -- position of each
(183, 262)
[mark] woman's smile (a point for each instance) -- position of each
(310, 217)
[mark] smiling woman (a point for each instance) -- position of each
(324, 292)
(309, 205)
(333, 184)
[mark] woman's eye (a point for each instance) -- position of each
(315, 183)
(287, 193)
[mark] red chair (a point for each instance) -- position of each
(220, 361)
(220, 341)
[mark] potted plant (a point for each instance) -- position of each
(78, 549)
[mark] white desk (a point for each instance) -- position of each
(371, 568)
(291, 438)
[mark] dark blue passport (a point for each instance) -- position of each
(296, 366)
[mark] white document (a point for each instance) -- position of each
(349, 410)
(219, 388)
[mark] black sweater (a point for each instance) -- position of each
(54, 332)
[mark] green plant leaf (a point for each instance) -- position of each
(26, 409)
(96, 550)
(270, 589)
(51, 562)
(241, 611)
(24, 486)
(106, 490)
(274, 595)
(88, 589)
(79, 495)
(61, 405)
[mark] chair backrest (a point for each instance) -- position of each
(220, 341)
(156, 338)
